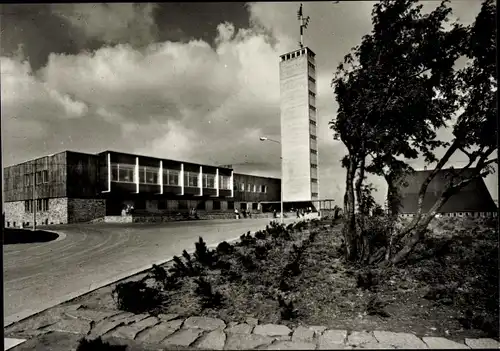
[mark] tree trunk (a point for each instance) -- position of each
(349, 229)
(359, 183)
(419, 229)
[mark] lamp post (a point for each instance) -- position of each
(262, 138)
(34, 197)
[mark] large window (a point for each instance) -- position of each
(314, 151)
(242, 186)
(263, 189)
(148, 175)
(254, 188)
(171, 177)
(122, 173)
(191, 179)
(42, 205)
(249, 187)
(224, 182)
(209, 181)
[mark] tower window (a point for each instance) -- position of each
(313, 165)
(314, 194)
(312, 94)
(314, 151)
(312, 80)
(314, 180)
(311, 66)
(312, 122)
(313, 137)
(311, 107)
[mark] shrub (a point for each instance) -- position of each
(98, 345)
(367, 280)
(261, 235)
(284, 286)
(209, 298)
(247, 239)
(224, 248)
(188, 268)
(203, 255)
(136, 297)
(261, 252)
(248, 262)
(287, 309)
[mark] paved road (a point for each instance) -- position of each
(38, 276)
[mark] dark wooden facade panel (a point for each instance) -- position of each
(224, 193)
(209, 191)
(189, 167)
(191, 191)
(83, 175)
(168, 189)
(149, 188)
(126, 188)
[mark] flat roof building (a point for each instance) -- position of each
(79, 187)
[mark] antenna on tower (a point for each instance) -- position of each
(304, 21)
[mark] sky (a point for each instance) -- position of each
(196, 82)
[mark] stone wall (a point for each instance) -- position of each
(85, 210)
(15, 215)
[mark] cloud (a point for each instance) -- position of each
(180, 100)
(112, 23)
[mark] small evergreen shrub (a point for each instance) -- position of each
(287, 309)
(224, 248)
(375, 307)
(209, 298)
(203, 255)
(136, 297)
(248, 262)
(261, 235)
(98, 345)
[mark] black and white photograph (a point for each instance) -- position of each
(250, 175)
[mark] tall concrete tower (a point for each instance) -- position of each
(299, 148)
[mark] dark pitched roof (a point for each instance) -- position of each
(475, 197)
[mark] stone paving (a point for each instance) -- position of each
(173, 332)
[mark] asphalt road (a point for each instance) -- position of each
(42, 275)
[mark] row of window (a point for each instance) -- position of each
(314, 180)
(313, 165)
(312, 80)
(312, 122)
(311, 94)
(297, 54)
(311, 107)
(311, 66)
(253, 188)
(313, 137)
(42, 205)
(41, 177)
(149, 175)
(314, 151)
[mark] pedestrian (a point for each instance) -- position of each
(249, 214)
(236, 213)
(274, 213)
(244, 213)
(195, 213)
(298, 213)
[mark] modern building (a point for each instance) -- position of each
(78, 187)
(474, 200)
(299, 148)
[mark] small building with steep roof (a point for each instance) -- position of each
(474, 200)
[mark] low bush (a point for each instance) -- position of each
(367, 279)
(203, 255)
(288, 311)
(98, 345)
(188, 268)
(137, 297)
(224, 248)
(248, 262)
(247, 239)
(209, 298)
(261, 235)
